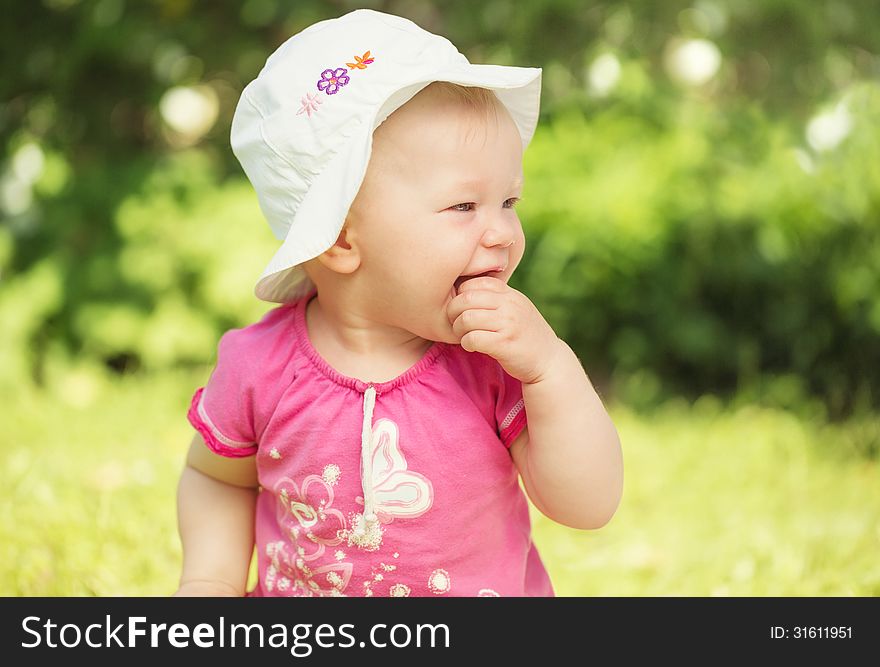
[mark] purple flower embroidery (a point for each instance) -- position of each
(332, 80)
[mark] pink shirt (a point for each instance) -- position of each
(451, 516)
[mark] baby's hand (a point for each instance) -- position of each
(491, 317)
(204, 588)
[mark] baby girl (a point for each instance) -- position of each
(369, 433)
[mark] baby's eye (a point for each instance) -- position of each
(513, 202)
(462, 210)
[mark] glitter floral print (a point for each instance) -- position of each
(293, 574)
(308, 517)
(308, 513)
(313, 563)
(331, 81)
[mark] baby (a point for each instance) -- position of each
(369, 434)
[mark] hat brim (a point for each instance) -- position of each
(333, 191)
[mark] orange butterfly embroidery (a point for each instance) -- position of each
(362, 61)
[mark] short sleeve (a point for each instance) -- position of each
(510, 411)
(222, 410)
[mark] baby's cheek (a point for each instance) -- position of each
(519, 247)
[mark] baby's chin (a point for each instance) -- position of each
(438, 328)
(441, 331)
(447, 335)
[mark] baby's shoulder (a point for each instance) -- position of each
(276, 323)
(259, 347)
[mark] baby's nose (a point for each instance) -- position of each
(499, 237)
(502, 229)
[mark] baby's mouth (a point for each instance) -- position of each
(461, 279)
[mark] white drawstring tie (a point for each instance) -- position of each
(367, 533)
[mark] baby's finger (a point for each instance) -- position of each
(473, 319)
(483, 282)
(481, 341)
(485, 299)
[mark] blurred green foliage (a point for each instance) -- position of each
(701, 202)
(685, 256)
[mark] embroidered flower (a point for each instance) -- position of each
(332, 80)
(308, 510)
(400, 591)
(331, 474)
(310, 103)
(439, 582)
(362, 61)
(286, 573)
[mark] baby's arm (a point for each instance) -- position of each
(216, 500)
(569, 455)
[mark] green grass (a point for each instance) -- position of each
(717, 501)
(746, 502)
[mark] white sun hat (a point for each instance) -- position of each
(303, 129)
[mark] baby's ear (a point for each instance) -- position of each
(341, 240)
(343, 256)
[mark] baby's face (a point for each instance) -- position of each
(437, 204)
